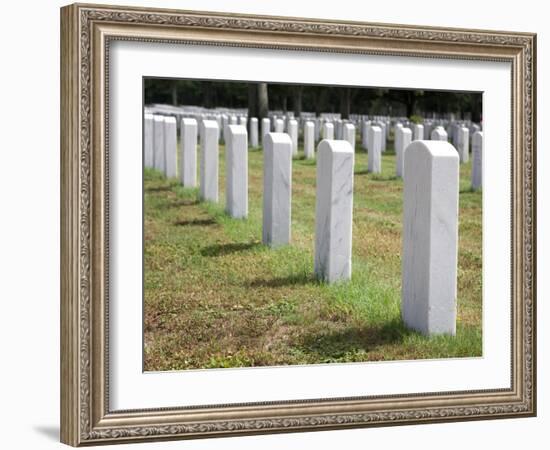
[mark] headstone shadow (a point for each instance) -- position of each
(228, 249)
(339, 344)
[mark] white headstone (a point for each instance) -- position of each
(365, 124)
(158, 131)
(225, 122)
(334, 210)
(430, 237)
(170, 146)
(309, 139)
(338, 129)
(349, 134)
(477, 159)
(188, 162)
(404, 141)
(397, 138)
(427, 131)
(382, 126)
(463, 144)
(418, 132)
(233, 120)
(236, 171)
(439, 134)
(277, 189)
(375, 150)
(266, 127)
(242, 120)
(253, 131)
(148, 140)
(279, 125)
(209, 161)
(328, 130)
(293, 133)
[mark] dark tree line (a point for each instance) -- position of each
(259, 98)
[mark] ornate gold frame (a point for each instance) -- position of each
(86, 31)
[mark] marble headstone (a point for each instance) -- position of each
(188, 162)
(430, 237)
(477, 159)
(148, 140)
(404, 141)
(253, 131)
(418, 132)
(334, 211)
(170, 146)
(463, 144)
(277, 189)
(309, 139)
(158, 131)
(209, 161)
(279, 125)
(439, 134)
(328, 130)
(293, 133)
(266, 127)
(236, 171)
(349, 134)
(375, 150)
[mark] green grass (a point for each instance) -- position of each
(216, 297)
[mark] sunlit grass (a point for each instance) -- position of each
(216, 297)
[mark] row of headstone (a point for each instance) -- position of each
(430, 228)
(160, 134)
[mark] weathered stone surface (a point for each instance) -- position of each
(170, 146)
(309, 139)
(463, 144)
(439, 134)
(405, 137)
(375, 150)
(349, 134)
(188, 162)
(148, 140)
(158, 131)
(365, 124)
(334, 210)
(253, 132)
(430, 237)
(382, 126)
(418, 132)
(266, 127)
(277, 189)
(477, 159)
(236, 171)
(279, 126)
(293, 133)
(209, 161)
(328, 130)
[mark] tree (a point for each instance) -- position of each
(298, 90)
(263, 100)
(253, 100)
(345, 102)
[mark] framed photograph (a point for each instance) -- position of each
(287, 224)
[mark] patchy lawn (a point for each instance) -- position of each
(216, 297)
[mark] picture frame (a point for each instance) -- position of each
(87, 31)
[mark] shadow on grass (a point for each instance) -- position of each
(342, 345)
(163, 188)
(299, 279)
(227, 249)
(178, 203)
(195, 222)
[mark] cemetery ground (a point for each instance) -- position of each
(215, 297)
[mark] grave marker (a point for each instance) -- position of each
(333, 211)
